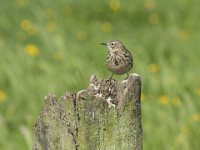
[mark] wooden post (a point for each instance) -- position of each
(106, 116)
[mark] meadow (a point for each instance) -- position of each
(53, 46)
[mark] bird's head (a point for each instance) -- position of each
(114, 45)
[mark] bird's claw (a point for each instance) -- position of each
(127, 76)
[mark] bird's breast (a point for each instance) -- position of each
(118, 64)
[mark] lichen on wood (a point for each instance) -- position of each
(105, 116)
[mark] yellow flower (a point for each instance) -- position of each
(142, 96)
(183, 35)
(32, 50)
(27, 26)
(67, 10)
(51, 26)
(164, 100)
(153, 68)
(195, 117)
(154, 18)
(115, 5)
(81, 36)
(57, 56)
(50, 14)
(22, 2)
(3, 96)
(149, 4)
(106, 27)
(176, 101)
(182, 137)
(198, 91)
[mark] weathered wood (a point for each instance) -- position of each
(106, 116)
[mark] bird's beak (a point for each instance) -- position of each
(105, 44)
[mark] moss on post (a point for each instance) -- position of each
(105, 116)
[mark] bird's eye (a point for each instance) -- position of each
(112, 43)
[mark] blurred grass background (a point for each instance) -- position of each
(53, 46)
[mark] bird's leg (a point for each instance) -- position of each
(110, 79)
(111, 76)
(127, 75)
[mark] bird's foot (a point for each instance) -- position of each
(110, 79)
(127, 76)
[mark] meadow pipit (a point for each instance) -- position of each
(119, 60)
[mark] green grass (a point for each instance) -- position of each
(163, 37)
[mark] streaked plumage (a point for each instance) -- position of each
(119, 60)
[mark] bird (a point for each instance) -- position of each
(119, 59)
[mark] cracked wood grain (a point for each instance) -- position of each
(105, 116)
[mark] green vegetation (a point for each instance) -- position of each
(53, 46)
